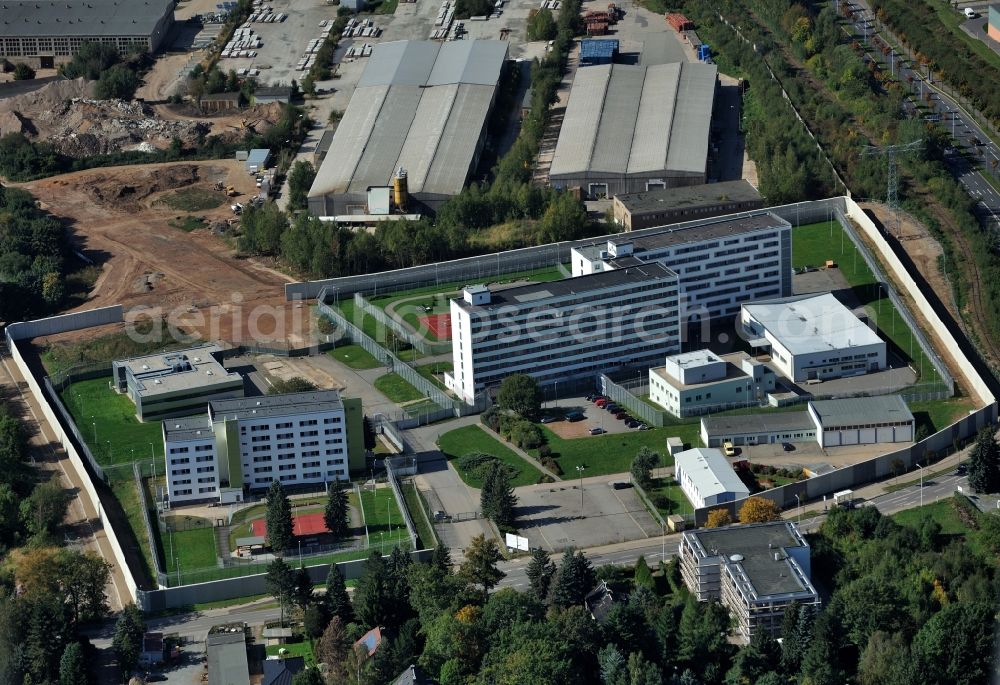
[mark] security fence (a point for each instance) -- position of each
(399, 330)
(148, 524)
(67, 421)
(394, 484)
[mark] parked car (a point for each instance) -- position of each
(642, 427)
(602, 402)
(631, 423)
(575, 416)
(621, 415)
(611, 407)
(597, 431)
(442, 516)
(728, 449)
(549, 418)
(620, 485)
(788, 447)
(961, 470)
(599, 398)
(592, 397)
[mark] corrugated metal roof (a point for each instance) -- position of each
(857, 411)
(91, 18)
(804, 324)
(419, 105)
(659, 114)
(709, 472)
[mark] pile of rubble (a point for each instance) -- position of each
(63, 113)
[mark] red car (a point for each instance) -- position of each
(620, 415)
(601, 402)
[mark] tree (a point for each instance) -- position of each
(45, 508)
(278, 518)
(643, 577)
(336, 600)
(480, 565)
(336, 515)
(956, 645)
(308, 676)
(119, 82)
(371, 596)
(519, 393)
(127, 640)
(295, 384)
(83, 578)
(302, 594)
(261, 229)
(280, 582)
(542, 26)
(574, 580)
(984, 463)
(72, 666)
(333, 646)
(497, 497)
(759, 510)
(887, 661)
(642, 465)
(300, 179)
(540, 572)
(441, 558)
(717, 518)
(22, 72)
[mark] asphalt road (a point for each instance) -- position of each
(973, 154)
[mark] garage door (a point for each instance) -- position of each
(831, 438)
(886, 434)
(849, 437)
(866, 436)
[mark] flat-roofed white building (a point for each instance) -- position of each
(701, 382)
(706, 477)
(243, 444)
(176, 383)
(720, 263)
(567, 329)
(812, 337)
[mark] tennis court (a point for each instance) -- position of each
(303, 524)
(438, 324)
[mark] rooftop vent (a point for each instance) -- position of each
(736, 558)
(145, 367)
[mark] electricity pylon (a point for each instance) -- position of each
(892, 173)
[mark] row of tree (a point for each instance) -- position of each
(278, 515)
(116, 75)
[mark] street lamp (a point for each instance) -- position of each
(580, 469)
(799, 501)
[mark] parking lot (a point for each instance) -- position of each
(595, 417)
(810, 454)
(554, 516)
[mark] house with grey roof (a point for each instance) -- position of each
(707, 479)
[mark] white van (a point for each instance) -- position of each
(970, 13)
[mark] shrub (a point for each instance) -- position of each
(545, 451)
(661, 501)
(552, 465)
(526, 435)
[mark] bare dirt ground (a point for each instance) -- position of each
(192, 278)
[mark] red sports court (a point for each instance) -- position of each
(438, 324)
(303, 524)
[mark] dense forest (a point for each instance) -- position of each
(33, 254)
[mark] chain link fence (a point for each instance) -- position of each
(399, 330)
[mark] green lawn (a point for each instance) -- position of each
(467, 439)
(941, 413)
(127, 495)
(376, 331)
(355, 356)
(423, 526)
(193, 548)
(668, 487)
(434, 372)
(102, 413)
(604, 454)
(814, 244)
(303, 649)
(942, 511)
(382, 515)
(424, 407)
(395, 387)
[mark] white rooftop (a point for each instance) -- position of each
(811, 323)
(710, 473)
(695, 358)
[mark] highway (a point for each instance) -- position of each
(973, 154)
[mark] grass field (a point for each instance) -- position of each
(605, 454)
(395, 387)
(355, 356)
(303, 649)
(942, 511)
(63, 356)
(424, 407)
(412, 496)
(191, 545)
(382, 516)
(127, 495)
(187, 223)
(669, 488)
(376, 331)
(940, 413)
(432, 372)
(193, 199)
(467, 439)
(101, 413)
(813, 244)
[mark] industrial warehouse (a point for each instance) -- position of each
(417, 119)
(44, 34)
(635, 128)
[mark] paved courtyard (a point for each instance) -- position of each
(551, 515)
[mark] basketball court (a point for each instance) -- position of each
(438, 324)
(303, 524)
